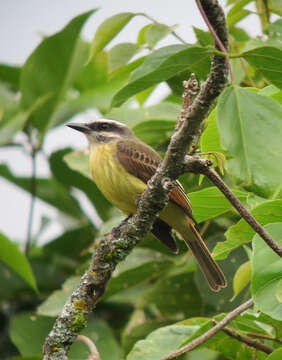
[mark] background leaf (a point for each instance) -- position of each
(250, 130)
(161, 65)
(241, 233)
(12, 256)
(108, 30)
(267, 273)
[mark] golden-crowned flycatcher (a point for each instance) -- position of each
(121, 165)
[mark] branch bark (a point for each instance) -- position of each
(116, 245)
(210, 333)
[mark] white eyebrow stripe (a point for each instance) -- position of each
(110, 121)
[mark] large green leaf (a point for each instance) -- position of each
(174, 293)
(267, 60)
(161, 65)
(251, 130)
(51, 69)
(267, 273)
(108, 30)
(12, 256)
(161, 342)
(28, 332)
(276, 355)
(64, 174)
(156, 32)
(48, 190)
(141, 265)
(210, 202)
(242, 233)
(166, 339)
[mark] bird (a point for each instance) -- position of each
(121, 165)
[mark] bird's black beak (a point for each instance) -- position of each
(84, 128)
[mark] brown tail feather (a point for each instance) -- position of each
(209, 267)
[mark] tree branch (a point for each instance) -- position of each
(247, 340)
(216, 179)
(117, 244)
(94, 354)
(210, 333)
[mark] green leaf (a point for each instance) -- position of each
(210, 140)
(250, 130)
(275, 29)
(276, 355)
(12, 256)
(51, 69)
(108, 30)
(10, 75)
(242, 278)
(267, 60)
(242, 233)
(132, 117)
(173, 294)
(204, 37)
(141, 265)
(161, 65)
(28, 332)
(155, 132)
(156, 32)
(161, 342)
(63, 172)
(210, 202)
(67, 244)
(267, 273)
(48, 190)
(237, 13)
(53, 305)
(139, 326)
(120, 54)
(79, 161)
(276, 7)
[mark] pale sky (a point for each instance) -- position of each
(22, 24)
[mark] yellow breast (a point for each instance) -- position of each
(119, 187)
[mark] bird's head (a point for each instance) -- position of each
(103, 131)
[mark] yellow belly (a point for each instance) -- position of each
(123, 189)
(119, 187)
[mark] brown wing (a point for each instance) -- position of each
(142, 161)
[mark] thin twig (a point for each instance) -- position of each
(94, 354)
(216, 179)
(266, 337)
(210, 333)
(217, 40)
(178, 37)
(247, 340)
(32, 202)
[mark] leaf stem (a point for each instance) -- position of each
(217, 40)
(32, 202)
(178, 37)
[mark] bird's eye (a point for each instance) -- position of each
(104, 126)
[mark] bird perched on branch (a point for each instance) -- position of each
(121, 166)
